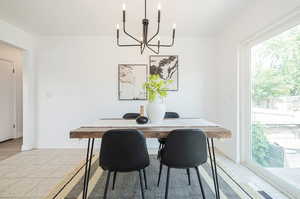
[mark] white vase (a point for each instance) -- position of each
(156, 111)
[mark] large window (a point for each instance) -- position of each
(275, 106)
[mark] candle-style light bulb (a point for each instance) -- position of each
(118, 26)
(158, 38)
(159, 6)
(124, 10)
(174, 26)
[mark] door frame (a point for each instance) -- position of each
(244, 64)
(14, 87)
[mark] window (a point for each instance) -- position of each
(275, 106)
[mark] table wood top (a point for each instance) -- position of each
(97, 129)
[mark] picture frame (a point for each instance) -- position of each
(166, 66)
(131, 79)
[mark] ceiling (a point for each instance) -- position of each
(99, 17)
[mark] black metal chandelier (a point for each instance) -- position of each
(145, 42)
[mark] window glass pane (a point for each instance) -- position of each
(275, 111)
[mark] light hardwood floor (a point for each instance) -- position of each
(33, 174)
(10, 148)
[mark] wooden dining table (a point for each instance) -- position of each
(151, 130)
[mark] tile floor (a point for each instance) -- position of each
(32, 174)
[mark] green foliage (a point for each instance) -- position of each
(277, 68)
(268, 85)
(263, 152)
(156, 87)
(260, 145)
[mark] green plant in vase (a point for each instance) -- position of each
(157, 89)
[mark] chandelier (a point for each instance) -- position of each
(145, 41)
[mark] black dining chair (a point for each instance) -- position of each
(124, 150)
(131, 116)
(162, 141)
(184, 149)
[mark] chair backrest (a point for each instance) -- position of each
(171, 115)
(123, 150)
(131, 116)
(185, 148)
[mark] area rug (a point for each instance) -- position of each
(128, 185)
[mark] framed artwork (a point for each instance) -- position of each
(166, 66)
(131, 79)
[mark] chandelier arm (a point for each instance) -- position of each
(160, 45)
(124, 30)
(163, 45)
(125, 45)
(157, 32)
(156, 52)
(168, 45)
(143, 46)
(158, 48)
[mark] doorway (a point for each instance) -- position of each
(7, 100)
(11, 99)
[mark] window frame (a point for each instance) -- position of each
(245, 85)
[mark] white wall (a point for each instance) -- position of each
(18, 38)
(77, 83)
(15, 55)
(254, 19)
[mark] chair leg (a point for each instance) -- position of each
(145, 178)
(141, 183)
(159, 174)
(189, 176)
(114, 180)
(167, 184)
(159, 148)
(106, 184)
(201, 186)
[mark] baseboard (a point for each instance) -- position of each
(26, 147)
(19, 135)
(6, 139)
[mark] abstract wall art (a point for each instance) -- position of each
(131, 81)
(166, 66)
